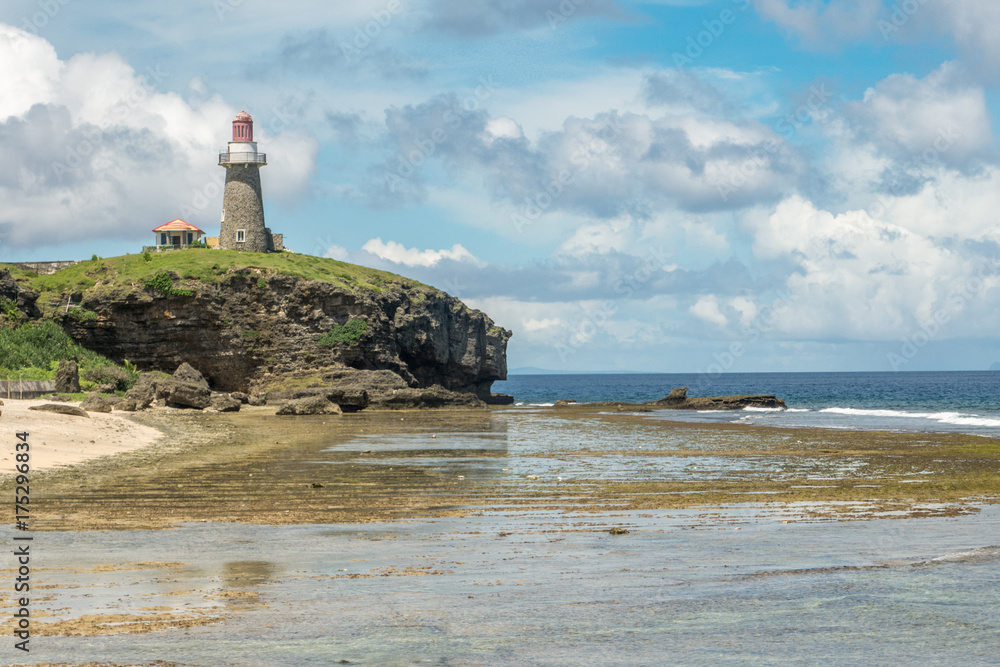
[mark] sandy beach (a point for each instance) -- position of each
(63, 440)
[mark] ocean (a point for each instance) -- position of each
(933, 402)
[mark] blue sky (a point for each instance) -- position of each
(717, 186)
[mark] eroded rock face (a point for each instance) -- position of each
(241, 331)
(22, 298)
(68, 377)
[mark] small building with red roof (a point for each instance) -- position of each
(177, 234)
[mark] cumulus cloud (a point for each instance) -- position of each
(91, 147)
(707, 308)
(819, 24)
(605, 166)
(397, 253)
(857, 277)
(940, 118)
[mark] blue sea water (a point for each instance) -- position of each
(960, 401)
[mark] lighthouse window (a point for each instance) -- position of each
(241, 235)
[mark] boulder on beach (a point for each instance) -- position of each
(188, 374)
(226, 403)
(187, 395)
(142, 394)
(61, 409)
(312, 405)
(95, 403)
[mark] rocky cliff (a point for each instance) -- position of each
(251, 328)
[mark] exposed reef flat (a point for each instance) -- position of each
(255, 467)
(679, 400)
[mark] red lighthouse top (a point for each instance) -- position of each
(243, 127)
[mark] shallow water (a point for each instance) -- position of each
(735, 585)
(541, 582)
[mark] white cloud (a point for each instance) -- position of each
(940, 118)
(399, 254)
(337, 252)
(532, 325)
(862, 278)
(821, 24)
(91, 148)
(707, 309)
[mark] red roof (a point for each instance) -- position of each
(178, 226)
(243, 115)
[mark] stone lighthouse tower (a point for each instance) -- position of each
(242, 206)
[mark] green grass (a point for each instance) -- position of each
(348, 334)
(205, 266)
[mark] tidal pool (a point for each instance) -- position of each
(732, 585)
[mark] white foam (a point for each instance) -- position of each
(751, 408)
(797, 410)
(955, 418)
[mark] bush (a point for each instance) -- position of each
(348, 334)
(9, 308)
(81, 315)
(261, 283)
(164, 284)
(109, 374)
(146, 257)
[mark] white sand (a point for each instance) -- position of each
(62, 440)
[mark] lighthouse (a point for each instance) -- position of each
(242, 205)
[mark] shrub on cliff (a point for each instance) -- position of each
(163, 283)
(348, 334)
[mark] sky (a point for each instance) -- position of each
(667, 186)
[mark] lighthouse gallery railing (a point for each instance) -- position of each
(242, 158)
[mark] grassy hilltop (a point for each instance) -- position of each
(31, 350)
(204, 266)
